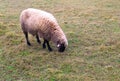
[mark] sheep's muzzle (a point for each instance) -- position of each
(61, 48)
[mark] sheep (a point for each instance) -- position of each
(43, 24)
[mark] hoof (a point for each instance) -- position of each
(50, 49)
(29, 44)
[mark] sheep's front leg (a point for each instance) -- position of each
(49, 48)
(38, 40)
(44, 46)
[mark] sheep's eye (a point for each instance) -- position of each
(58, 45)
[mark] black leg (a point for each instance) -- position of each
(38, 40)
(26, 36)
(49, 48)
(44, 46)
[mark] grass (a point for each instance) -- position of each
(93, 31)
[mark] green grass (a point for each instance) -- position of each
(93, 31)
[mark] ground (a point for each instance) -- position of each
(92, 28)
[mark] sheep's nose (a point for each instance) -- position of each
(61, 50)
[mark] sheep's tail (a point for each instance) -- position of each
(23, 26)
(23, 17)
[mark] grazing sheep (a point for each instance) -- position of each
(43, 25)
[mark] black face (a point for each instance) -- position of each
(61, 48)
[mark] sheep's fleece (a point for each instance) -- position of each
(44, 24)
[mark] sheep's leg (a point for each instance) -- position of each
(38, 40)
(49, 48)
(44, 44)
(26, 36)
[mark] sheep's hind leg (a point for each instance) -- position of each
(38, 40)
(26, 36)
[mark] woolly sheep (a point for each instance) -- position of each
(43, 25)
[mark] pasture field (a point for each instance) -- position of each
(93, 31)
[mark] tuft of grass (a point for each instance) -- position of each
(24, 53)
(66, 68)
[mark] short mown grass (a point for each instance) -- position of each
(92, 28)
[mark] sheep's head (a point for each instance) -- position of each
(61, 47)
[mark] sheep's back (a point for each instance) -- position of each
(36, 20)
